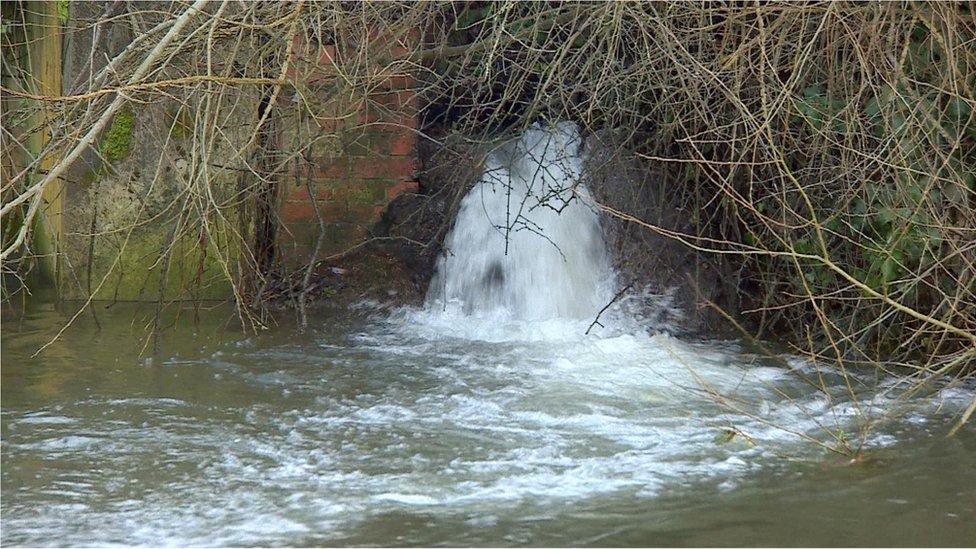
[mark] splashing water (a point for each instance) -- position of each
(524, 245)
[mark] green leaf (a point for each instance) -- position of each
(470, 17)
(886, 215)
(890, 267)
(873, 108)
(958, 110)
(812, 91)
(897, 122)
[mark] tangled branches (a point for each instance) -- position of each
(824, 150)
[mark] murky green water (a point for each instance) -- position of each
(427, 431)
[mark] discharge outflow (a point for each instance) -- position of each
(525, 244)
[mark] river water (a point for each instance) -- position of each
(408, 428)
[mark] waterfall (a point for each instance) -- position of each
(525, 245)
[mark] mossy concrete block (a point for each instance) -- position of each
(136, 266)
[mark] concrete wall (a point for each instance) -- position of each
(122, 240)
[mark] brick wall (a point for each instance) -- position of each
(362, 155)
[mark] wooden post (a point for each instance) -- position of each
(43, 27)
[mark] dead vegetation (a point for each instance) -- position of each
(823, 152)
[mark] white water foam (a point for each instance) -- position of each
(524, 245)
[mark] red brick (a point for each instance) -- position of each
(297, 211)
(406, 120)
(397, 100)
(395, 81)
(291, 73)
(389, 121)
(376, 168)
(338, 237)
(401, 188)
(331, 210)
(300, 69)
(304, 211)
(317, 60)
(337, 168)
(377, 111)
(388, 140)
(400, 52)
(284, 99)
(332, 124)
(330, 187)
(358, 144)
(357, 232)
(402, 142)
(296, 194)
(323, 189)
(360, 213)
(352, 191)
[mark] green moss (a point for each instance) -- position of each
(181, 125)
(135, 276)
(63, 11)
(366, 193)
(90, 178)
(118, 139)
(376, 190)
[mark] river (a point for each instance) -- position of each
(380, 428)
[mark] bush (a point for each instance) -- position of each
(828, 151)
